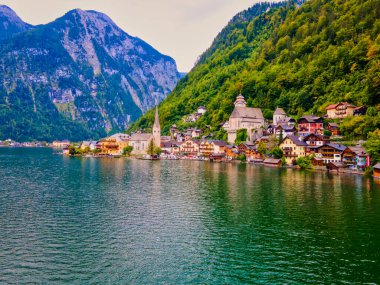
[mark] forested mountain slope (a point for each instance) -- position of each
(299, 57)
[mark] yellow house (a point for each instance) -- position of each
(114, 144)
(340, 110)
(293, 148)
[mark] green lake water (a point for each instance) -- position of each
(121, 221)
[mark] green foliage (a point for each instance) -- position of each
(304, 162)
(262, 148)
(327, 133)
(242, 157)
(359, 126)
(277, 152)
(74, 150)
(372, 146)
(127, 150)
(300, 58)
(150, 149)
(157, 150)
(241, 136)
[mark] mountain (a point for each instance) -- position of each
(301, 57)
(78, 77)
(10, 23)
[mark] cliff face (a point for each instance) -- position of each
(81, 68)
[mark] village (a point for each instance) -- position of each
(308, 142)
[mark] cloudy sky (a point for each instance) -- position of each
(182, 29)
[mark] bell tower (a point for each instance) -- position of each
(156, 130)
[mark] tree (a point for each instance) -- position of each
(150, 149)
(157, 150)
(304, 162)
(127, 150)
(327, 133)
(262, 148)
(241, 136)
(372, 146)
(277, 152)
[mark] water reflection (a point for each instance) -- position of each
(124, 221)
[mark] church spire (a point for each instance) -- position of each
(157, 130)
(156, 119)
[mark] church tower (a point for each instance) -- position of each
(156, 130)
(240, 102)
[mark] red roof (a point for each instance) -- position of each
(340, 103)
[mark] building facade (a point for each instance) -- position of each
(243, 117)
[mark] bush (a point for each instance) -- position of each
(304, 162)
(242, 157)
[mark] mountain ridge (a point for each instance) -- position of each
(86, 68)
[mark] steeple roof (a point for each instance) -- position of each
(156, 119)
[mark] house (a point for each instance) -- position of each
(91, 145)
(376, 171)
(330, 152)
(317, 161)
(333, 128)
(360, 111)
(309, 125)
(141, 141)
(355, 157)
(243, 117)
(287, 121)
(278, 115)
(274, 162)
(201, 110)
(61, 144)
(254, 155)
(284, 130)
(316, 140)
(340, 110)
(217, 157)
(245, 148)
(335, 166)
(293, 148)
(206, 148)
(190, 147)
(231, 151)
(218, 146)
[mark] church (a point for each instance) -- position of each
(243, 117)
(141, 141)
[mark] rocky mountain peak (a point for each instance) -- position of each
(10, 23)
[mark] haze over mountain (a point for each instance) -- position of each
(77, 77)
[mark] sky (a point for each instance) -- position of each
(182, 29)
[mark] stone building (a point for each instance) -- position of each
(243, 117)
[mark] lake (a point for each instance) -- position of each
(123, 221)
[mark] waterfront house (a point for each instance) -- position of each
(218, 146)
(355, 157)
(243, 117)
(330, 152)
(335, 166)
(333, 128)
(340, 110)
(376, 171)
(190, 147)
(61, 144)
(274, 162)
(112, 145)
(231, 151)
(206, 148)
(309, 125)
(317, 161)
(293, 148)
(245, 148)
